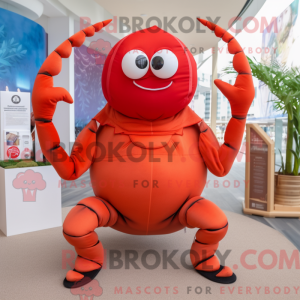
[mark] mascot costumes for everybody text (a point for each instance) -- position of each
(141, 144)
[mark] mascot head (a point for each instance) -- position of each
(149, 74)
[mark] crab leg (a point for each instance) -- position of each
(44, 100)
(219, 159)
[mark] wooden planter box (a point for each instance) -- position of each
(265, 196)
(287, 190)
(30, 199)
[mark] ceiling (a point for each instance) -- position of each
(52, 9)
(32, 9)
(183, 14)
(161, 9)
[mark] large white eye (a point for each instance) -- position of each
(135, 64)
(164, 64)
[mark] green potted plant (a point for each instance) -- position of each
(284, 84)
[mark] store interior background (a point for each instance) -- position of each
(56, 20)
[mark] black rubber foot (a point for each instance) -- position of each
(88, 277)
(212, 276)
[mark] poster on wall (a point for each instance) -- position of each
(15, 135)
(23, 49)
(280, 42)
(89, 60)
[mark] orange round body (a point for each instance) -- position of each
(147, 179)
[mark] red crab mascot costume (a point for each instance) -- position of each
(144, 141)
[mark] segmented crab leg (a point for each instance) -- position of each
(44, 100)
(219, 159)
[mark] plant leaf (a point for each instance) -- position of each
(5, 62)
(282, 163)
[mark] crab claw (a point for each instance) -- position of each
(241, 94)
(44, 95)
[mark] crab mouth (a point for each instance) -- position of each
(148, 89)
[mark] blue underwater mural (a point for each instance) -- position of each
(23, 49)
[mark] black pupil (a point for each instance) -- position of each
(141, 62)
(157, 62)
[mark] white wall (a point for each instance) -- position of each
(91, 9)
(60, 29)
(43, 21)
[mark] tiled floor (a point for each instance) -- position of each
(227, 192)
